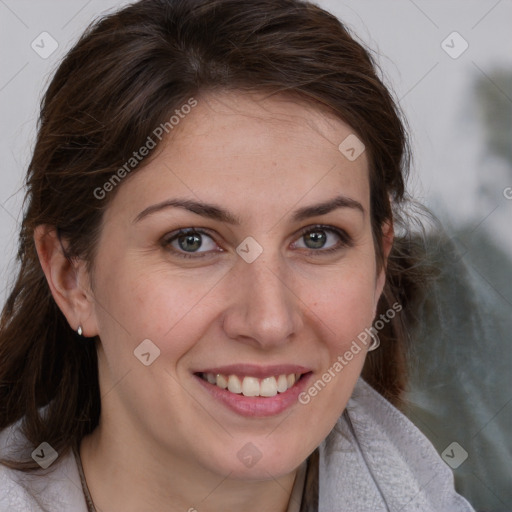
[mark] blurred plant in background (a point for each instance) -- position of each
(493, 96)
(461, 357)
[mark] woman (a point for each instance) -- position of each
(218, 304)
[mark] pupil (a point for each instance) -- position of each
(190, 242)
(316, 238)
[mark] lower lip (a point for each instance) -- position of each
(257, 406)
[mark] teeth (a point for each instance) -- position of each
(268, 387)
(220, 381)
(252, 386)
(234, 384)
(282, 384)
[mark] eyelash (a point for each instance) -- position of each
(345, 240)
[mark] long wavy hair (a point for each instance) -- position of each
(126, 75)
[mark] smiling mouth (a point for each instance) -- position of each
(252, 386)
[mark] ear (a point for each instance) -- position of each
(388, 235)
(68, 280)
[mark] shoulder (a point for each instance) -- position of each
(393, 466)
(56, 488)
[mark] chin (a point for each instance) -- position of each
(251, 463)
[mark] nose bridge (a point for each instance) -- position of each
(264, 308)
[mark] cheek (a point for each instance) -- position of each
(174, 308)
(143, 302)
(343, 311)
(345, 301)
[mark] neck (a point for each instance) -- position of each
(133, 479)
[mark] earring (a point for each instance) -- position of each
(375, 341)
(79, 330)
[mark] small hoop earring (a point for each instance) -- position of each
(375, 342)
(79, 330)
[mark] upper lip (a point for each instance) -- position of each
(253, 370)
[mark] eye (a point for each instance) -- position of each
(189, 241)
(196, 243)
(323, 239)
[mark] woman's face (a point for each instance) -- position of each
(275, 276)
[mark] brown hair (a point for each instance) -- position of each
(125, 76)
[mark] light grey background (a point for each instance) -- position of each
(457, 172)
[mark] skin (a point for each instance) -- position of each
(163, 443)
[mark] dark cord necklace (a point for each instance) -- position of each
(85, 489)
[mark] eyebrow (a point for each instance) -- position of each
(214, 212)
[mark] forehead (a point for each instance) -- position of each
(250, 151)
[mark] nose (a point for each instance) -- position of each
(264, 309)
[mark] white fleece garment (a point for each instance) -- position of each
(374, 460)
